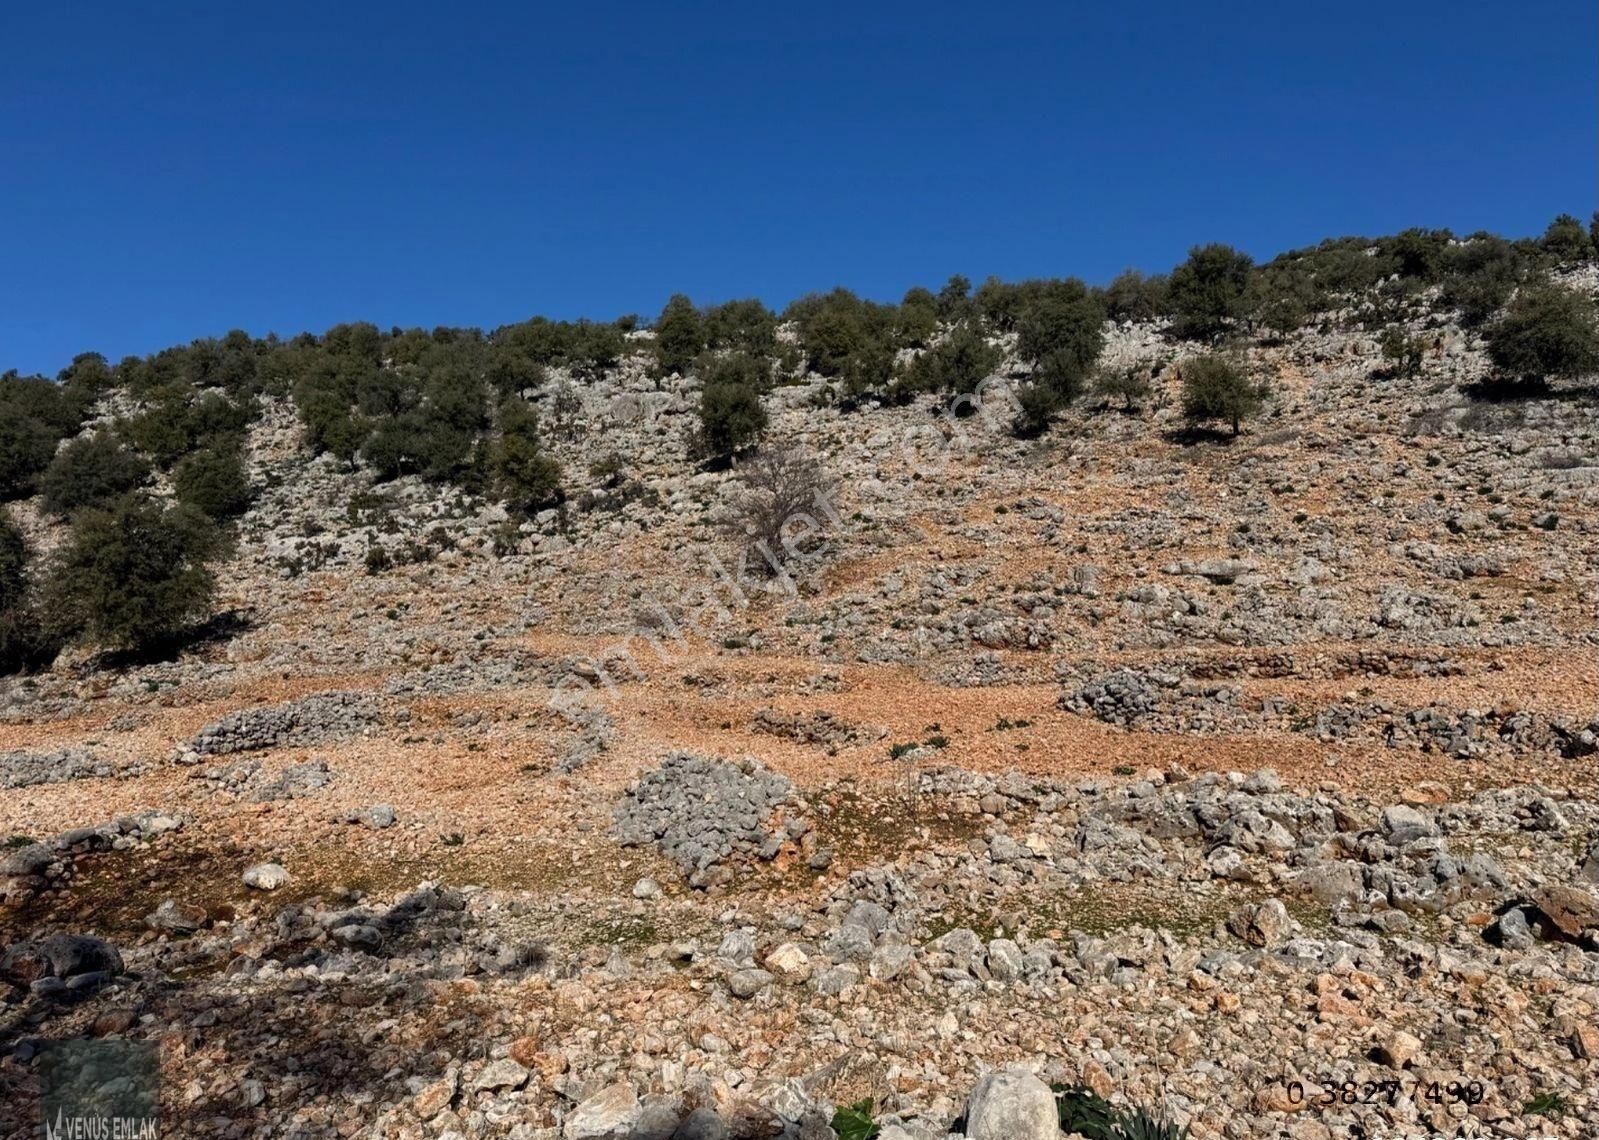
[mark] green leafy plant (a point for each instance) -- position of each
(1085, 1112)
(1550, 1104)
(854, 1121)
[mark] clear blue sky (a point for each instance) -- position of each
(171, 171)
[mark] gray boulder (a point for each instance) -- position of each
(1012, 1105)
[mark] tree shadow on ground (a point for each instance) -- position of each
(202, 639)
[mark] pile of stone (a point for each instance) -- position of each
(818, 727)
(24, 769)
(1460, 733)
(48, 864)
(249, 780)
(1127, 697)
(701, 811)
(311, 720)
(596, 729)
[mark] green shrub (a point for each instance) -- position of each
(1218, 387)
(679, 336)
(13, 564)
(1479, 277)
(1285, 297)
(854, 1121)
(746, 326)
(34, 417)
(1546, 332)
(213, 480)
(526, 476)
(1210, 291)
(841, 333)
(1060, 322)
(1130, 385)
(731, 414)
(23, 643)
(1566, 241)
(132, 574)
(1415, 253)
(999, 304)
(26, 448)
(955, 300)
(1133, 297)
(917, 320)
(596, 348)
(88, 472)
(957, 364)
(1403, 352)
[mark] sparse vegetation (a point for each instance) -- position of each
(781, 505)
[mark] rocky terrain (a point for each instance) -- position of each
(1249, 781)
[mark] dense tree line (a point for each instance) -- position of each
(461, 406)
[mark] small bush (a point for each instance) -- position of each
(133, 574)
(1060, 321)
(731, 414)
(1133, 297)
(34, 416)
(1129, 385)
(23, 644)
(957, 364)
(955, 300)
(1210, 291)
(526, 477)
(1218, 387)
(917, 320)
(844, 336)
(1545, 333)
(746, 326)
(781, 501)
(679, 336)
(1567, 241)
(88, 472)
(1479, 276)
(1403, 352)
(213, 481)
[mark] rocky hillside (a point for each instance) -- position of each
(1248, 780)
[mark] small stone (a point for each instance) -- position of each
(176, 917)
(608, 1113)
(266, 876)
(1400, 1050)
(1004, 959)
(1570, 909)
(1424, 793)
(378, 817)
(789, 964)
(747, 983)
(1403, 824)
(502, 1074)
(646, 889)
(889, 960)
(435, 1098)
(1266, 924)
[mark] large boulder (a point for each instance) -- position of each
(1012, 1104)
(59, 956)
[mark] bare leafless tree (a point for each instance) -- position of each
(782, 504)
